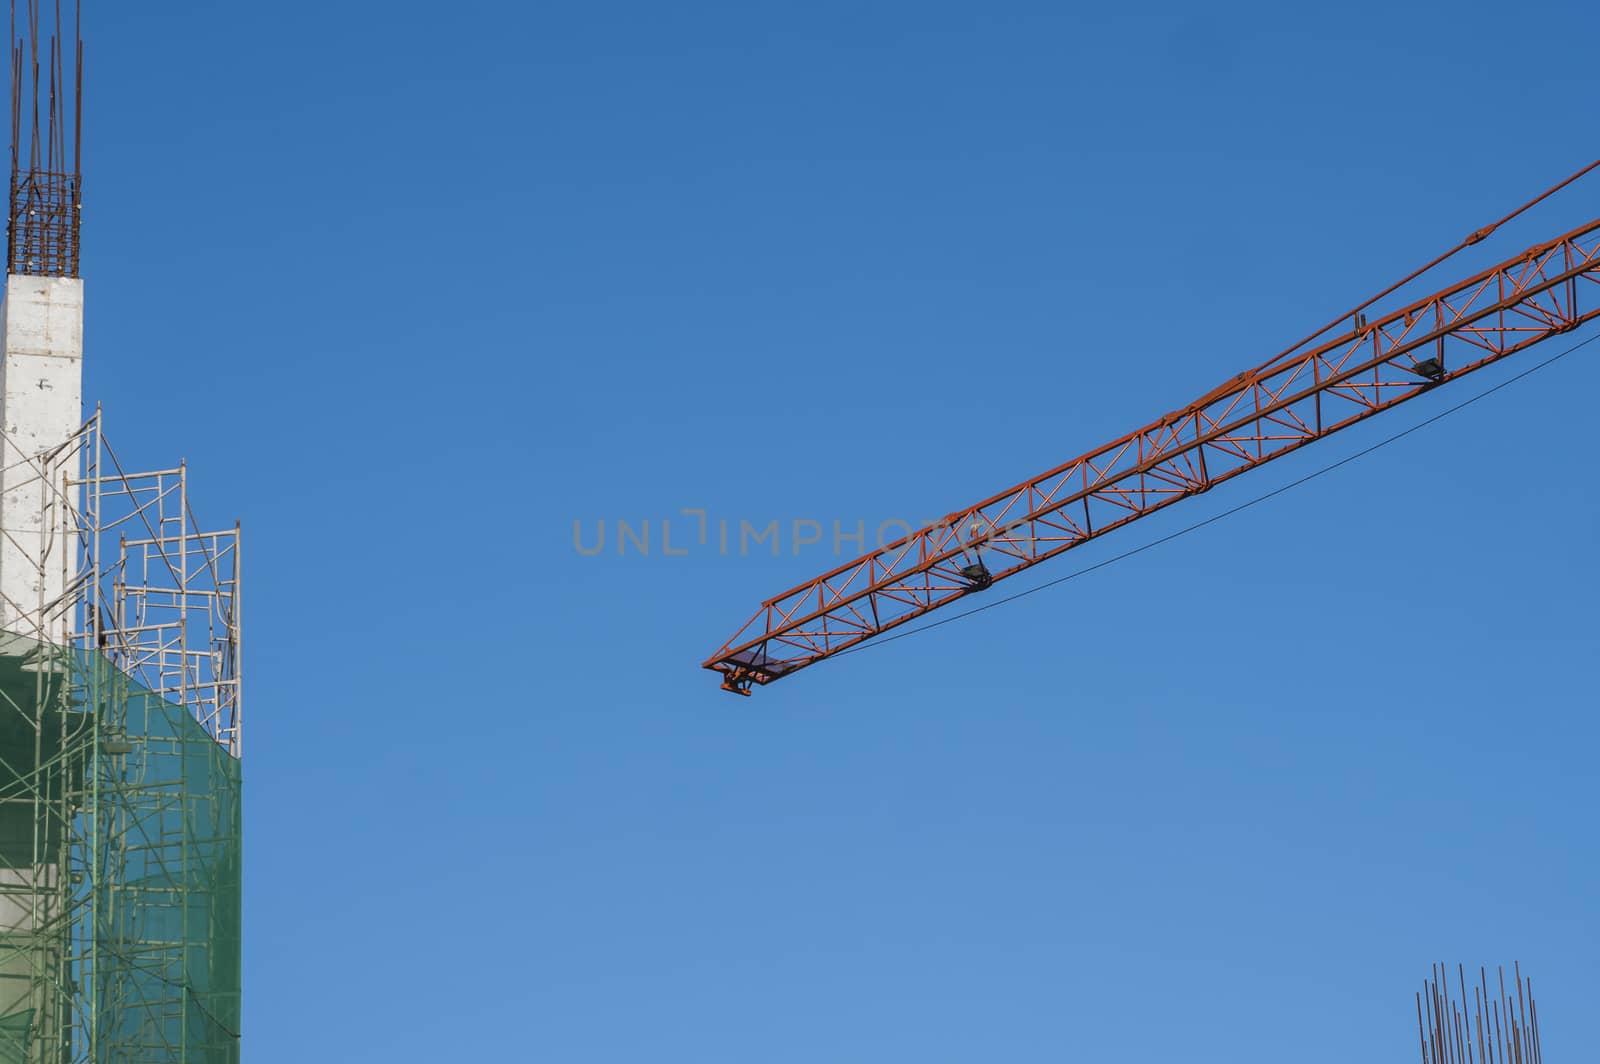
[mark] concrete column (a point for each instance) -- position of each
(41, 406)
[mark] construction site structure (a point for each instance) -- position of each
(1500, 1027)
(120, 709)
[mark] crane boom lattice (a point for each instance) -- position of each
(1323, 385)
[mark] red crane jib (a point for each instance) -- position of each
(1297, 398)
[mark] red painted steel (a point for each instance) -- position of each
(1298, 397)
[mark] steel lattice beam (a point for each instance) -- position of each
(1260, 415)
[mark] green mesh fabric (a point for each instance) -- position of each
(119, 870)
(14, 1032)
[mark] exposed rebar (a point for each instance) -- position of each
(1504, 1030)
(46, 205)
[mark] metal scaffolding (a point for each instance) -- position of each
(120, 732)
(120, 715)
(162, 602)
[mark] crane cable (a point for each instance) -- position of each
(1472, 238)
(1214, 518)
(1475, 237)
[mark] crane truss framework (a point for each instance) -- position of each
(1300, 397)
(119, 775)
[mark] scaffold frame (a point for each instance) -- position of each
(120, 734)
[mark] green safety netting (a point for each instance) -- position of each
(119, 870)
(14, 1032)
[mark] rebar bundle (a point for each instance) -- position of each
(46, 137)
(1501, 1029)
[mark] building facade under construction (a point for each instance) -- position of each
(120, 710)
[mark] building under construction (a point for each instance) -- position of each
(119, 663)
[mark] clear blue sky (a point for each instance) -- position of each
(415, 288)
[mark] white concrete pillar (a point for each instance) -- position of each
(41, 406)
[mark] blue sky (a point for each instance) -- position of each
(414, 291)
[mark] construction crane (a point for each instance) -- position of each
(1355, 367)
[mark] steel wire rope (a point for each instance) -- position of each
(1214, 518)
